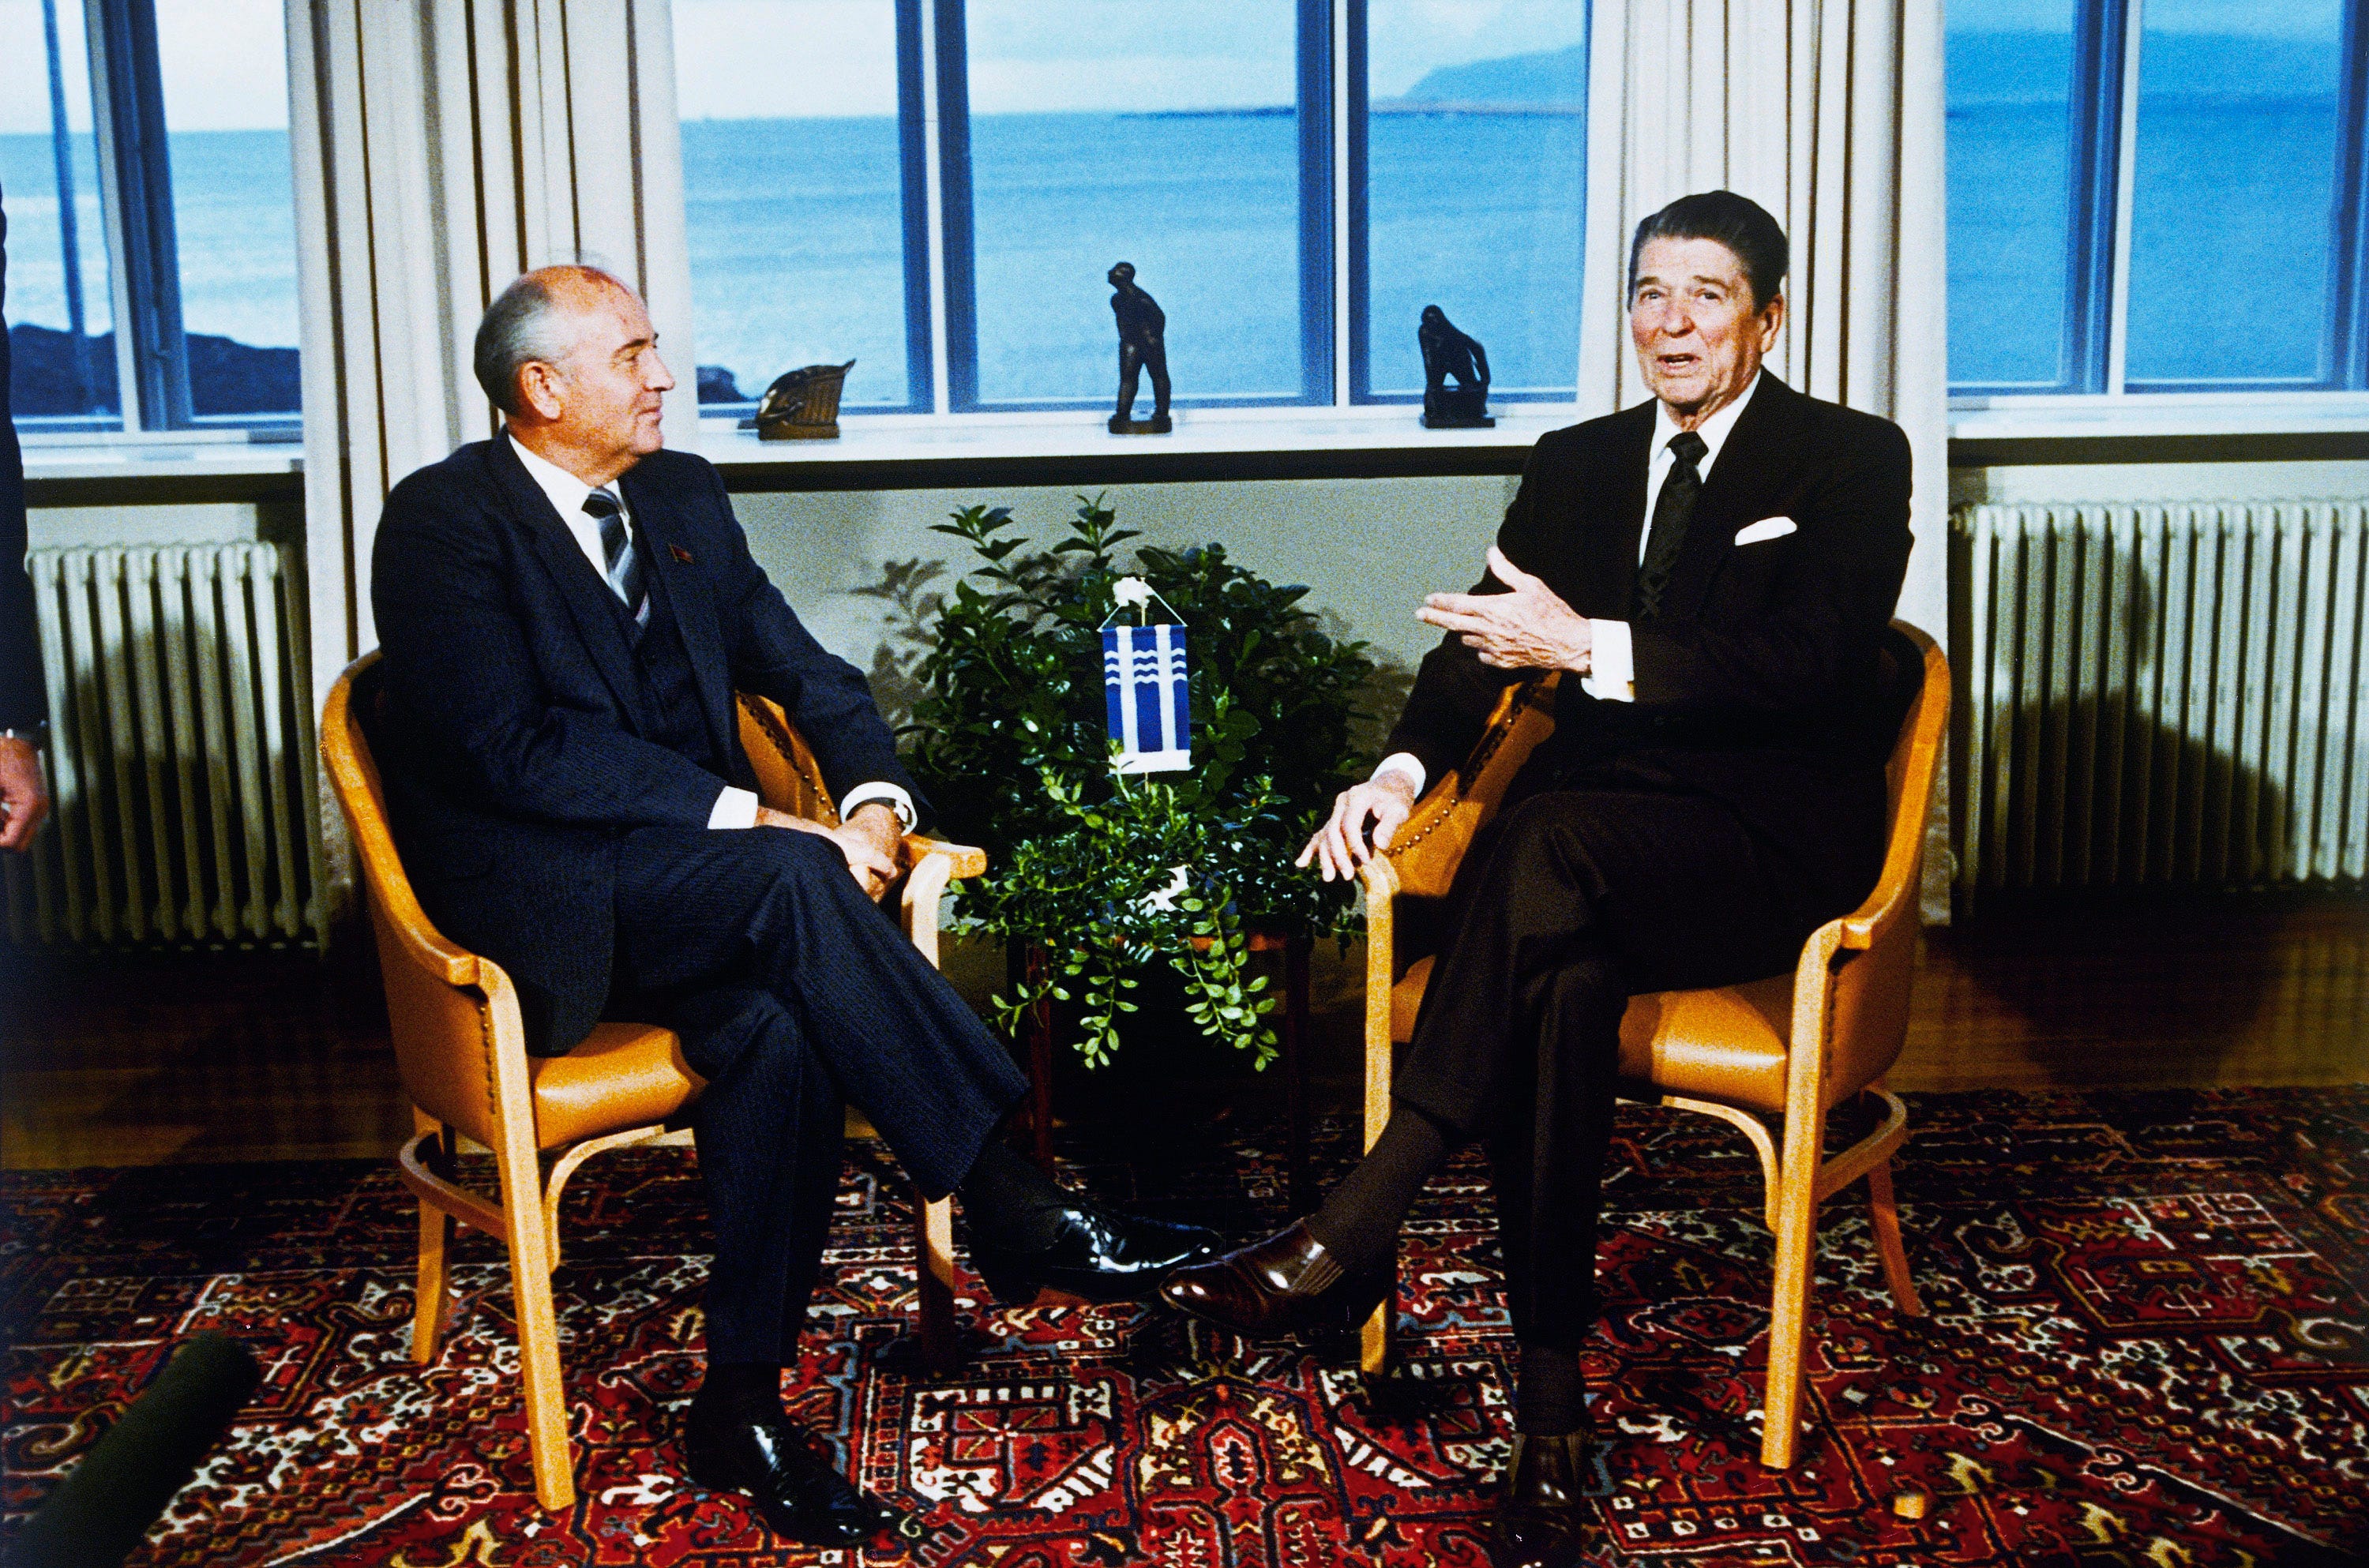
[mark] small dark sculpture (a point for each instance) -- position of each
(803, 405)
(1448, 352)
(1142, 346)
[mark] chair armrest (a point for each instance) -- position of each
(1429, 845)
(962, 861)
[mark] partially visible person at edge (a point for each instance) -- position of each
(566, 611)
(24, 710)
(1714, 571)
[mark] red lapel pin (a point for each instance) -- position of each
(680, 553)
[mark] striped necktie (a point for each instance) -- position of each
(624, 563)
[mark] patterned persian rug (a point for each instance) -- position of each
(2148, 1344)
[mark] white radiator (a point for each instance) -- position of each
(181, 757)
(2165, 695)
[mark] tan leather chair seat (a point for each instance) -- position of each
(624, 1075)
(1726, 1044)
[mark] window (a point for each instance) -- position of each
(2166, 197)
(956, 249)
(1475, 190)
(143, 150)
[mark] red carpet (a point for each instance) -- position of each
(2149, 1344)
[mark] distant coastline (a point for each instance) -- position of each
(1381, 106)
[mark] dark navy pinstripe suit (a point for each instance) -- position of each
(551, 810)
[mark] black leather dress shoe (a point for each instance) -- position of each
(1287, 1284)
(1095, 1255)
(1540, 1521)
(791, 1477)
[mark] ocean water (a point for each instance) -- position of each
(798, 252)
(797, 233)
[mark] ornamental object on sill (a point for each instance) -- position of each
(804, 404)
(1448, 352)
(1142, 346)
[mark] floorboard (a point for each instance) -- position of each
(148, 1060)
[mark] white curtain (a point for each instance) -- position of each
(1829, 114)
(442, 147)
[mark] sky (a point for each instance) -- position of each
(225, 59)
(225, 65)
(751, 59)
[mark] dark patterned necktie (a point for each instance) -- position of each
(1672, 510)
(625, 562)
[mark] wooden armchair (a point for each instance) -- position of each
(461, 1048)
(1792, 1048)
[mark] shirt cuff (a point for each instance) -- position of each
(1405, 763)
(1612, 664)
(889, 795)
(734, 808)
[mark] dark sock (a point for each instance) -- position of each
(738, 1390)
(1009, 1201)
(1549, 1395)
(1360, 1222)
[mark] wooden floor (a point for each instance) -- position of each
(211, 1057)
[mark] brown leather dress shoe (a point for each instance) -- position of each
(1287, 1284)
(1540, 1520)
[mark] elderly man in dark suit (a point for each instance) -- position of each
(1714, 571)
(566, 611)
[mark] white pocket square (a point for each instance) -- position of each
(1766, 528)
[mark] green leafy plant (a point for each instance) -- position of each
(1110, 874)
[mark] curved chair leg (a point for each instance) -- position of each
(1374, 1335)
(1797, 1234)
(538, 1329)
(1886, 1217)
(934, 1251)
(433, 1297)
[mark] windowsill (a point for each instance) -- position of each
(115, 456)
(917, 450)
(2158, 415)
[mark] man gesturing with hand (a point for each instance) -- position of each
(1711, 573)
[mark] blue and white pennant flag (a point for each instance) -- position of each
(1146, 691)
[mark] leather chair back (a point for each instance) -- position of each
(441, 1033)
(1871, 988)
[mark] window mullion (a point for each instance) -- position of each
(1317, 67)
(128, 389)
(136, 169)
(957, 266)
(1351, 373)
(2350, 365)
(2126, 153)
(925, 332)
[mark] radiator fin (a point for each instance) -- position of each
(2165, 695)
(180, 759)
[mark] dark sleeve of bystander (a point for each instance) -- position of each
(21, 703)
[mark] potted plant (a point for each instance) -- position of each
(1109, 874)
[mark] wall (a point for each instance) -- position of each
(1368, 548)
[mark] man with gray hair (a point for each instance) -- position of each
(566, 612)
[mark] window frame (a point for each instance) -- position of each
(2102, 159)
(941, 273)
(136, 178)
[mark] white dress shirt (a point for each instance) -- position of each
(1612, 664)
(734, 807)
